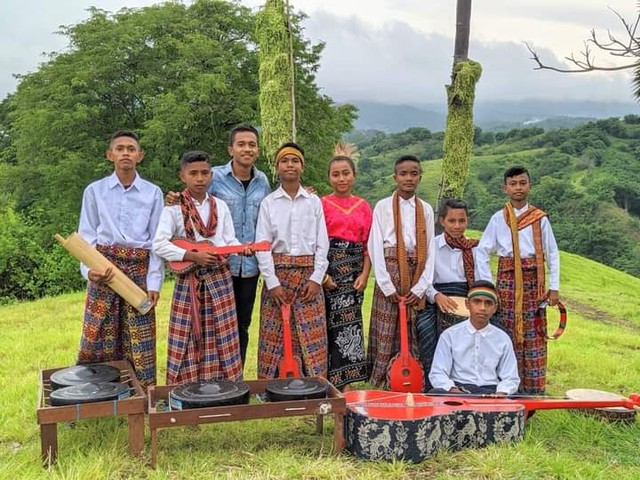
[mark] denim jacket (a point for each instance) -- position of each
(244, 206)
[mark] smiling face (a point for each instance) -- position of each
(455, 222)
(196, 176)
(517, 188)
(341, 177)
(407, 177)
(290, 167)
(125, 153)
(244, 150)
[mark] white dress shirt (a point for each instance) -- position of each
(294, 226)
(497, 239)
(172, 225)
(476, 357)
(383, 235)
(449, 267)
(112, 215)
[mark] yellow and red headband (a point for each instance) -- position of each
(289, 151)
(483, 292)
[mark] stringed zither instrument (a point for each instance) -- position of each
(391, 426)
(184, 266)
(405, 372)
(288, 367)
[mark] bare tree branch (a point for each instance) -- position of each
(585, 60)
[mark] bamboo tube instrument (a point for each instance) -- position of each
(121, 284)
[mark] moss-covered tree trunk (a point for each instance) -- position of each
(276, 77)
(458, 139)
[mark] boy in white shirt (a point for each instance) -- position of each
(119, 216)
(474, 356)
(401, 247)
(521, 235)
(203, 329)
(293, 221)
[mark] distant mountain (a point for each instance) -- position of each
(490, 115)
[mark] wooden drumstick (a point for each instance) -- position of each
(92, 258)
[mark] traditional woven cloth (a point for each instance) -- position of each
(344, 314)
(215, 355)
(531, 217)
(421, 247)
(531, 353)
(308, 322)
(191, 217)
(466, 245)
(112, 328)
(384, 334)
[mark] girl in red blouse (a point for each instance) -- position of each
(348, 223)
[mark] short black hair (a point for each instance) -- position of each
(483, 284)
(450, 204)
(515, 171)
(244, 127)
(342, 158)
(406, 158)
(194, 156)
(124, 133)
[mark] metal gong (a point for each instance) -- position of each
(284, 389)
(88, 393)
(209, 394)
(90, 373)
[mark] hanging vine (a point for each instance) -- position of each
(276, 77)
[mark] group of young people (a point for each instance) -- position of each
(321, 255)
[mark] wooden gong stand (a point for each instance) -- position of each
(49, 416)
(333, 404)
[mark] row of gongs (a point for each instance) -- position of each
(100, 382)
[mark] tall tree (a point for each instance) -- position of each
(276, 77)
(458, 140)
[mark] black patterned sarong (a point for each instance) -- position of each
(347, 362)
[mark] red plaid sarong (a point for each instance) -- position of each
(384, 334)
(218, 355)
(112, 328)
(532, 352)
(308, 322)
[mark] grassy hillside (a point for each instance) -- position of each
(587, 178)
(598, 350)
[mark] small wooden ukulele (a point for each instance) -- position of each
(405, 373)
(185, 266)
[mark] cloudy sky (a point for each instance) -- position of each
(394, 51)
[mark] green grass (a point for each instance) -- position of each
(599, 350)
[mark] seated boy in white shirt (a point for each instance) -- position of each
(474, 356)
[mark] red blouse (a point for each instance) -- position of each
(347, 218)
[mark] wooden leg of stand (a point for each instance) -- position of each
(319, 424)
(154, 447)
(136, 434)
(338, 432)
(49, 443)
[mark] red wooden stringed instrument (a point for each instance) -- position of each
(405, 373)
(288, 367)
(185, 266)
(406, 426)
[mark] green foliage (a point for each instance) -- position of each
(27, 270)
(459, 137)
